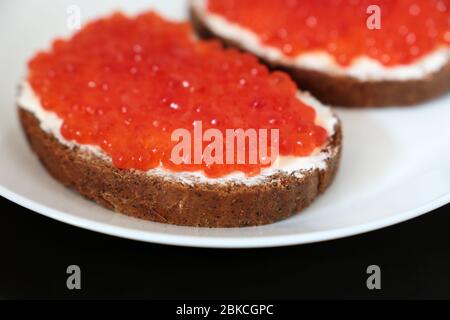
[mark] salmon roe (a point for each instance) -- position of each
(125, 84)
(409, 28)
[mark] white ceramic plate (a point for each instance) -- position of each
(396, 164)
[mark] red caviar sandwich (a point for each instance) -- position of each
(100, 111)
(347, 52)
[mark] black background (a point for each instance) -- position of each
(35, 251)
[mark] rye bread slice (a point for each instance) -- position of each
(343, 90)
(171, 201)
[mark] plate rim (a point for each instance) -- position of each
(222, 242)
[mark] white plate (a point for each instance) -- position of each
(396, 164)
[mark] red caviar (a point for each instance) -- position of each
(409, 28)
(125, 84)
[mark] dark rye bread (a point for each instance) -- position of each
(349, 91)
(151, 197)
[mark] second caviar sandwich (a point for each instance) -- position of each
(357, 53)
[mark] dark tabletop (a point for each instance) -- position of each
(414, 258)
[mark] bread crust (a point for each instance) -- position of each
(154, 198)
(348, 91)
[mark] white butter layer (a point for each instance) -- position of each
(362, 68)
(51, 123)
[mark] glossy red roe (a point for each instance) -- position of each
(409, 28)
(125, 84)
